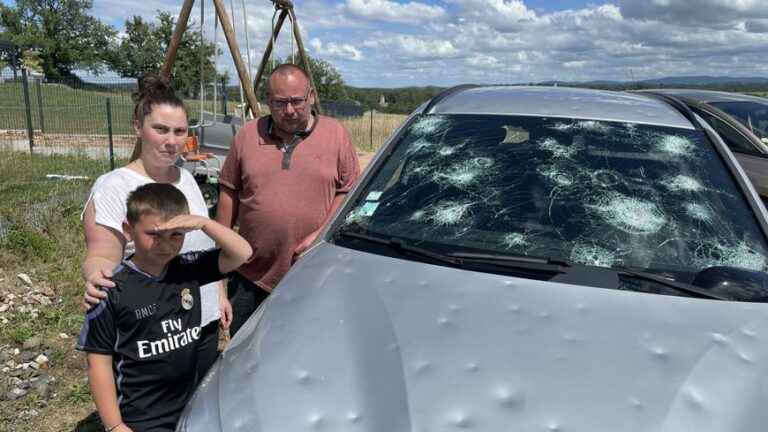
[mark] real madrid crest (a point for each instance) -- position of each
(187, 301)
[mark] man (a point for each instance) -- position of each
(284, 177)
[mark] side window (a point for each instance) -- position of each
(732, 138)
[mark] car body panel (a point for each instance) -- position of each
(561, 102)
(356, 341)
(352, 341)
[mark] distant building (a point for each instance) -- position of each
(383, 101)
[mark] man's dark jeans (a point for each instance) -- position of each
(245, 297)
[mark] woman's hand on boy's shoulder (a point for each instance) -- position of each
(184, 223)
(95, 288)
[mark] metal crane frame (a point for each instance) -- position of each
(285, 7)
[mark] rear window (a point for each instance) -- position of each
(598, 193)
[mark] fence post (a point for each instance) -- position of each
(28, 108)
(371, 129)
(109, 132)
(39, 88)
(223, 97)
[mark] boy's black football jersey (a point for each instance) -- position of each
(151, 328)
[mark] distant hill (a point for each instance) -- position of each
(705, 80)
(405, 99)
(740, 84)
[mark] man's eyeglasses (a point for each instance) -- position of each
(297, 103)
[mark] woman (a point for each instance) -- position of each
(160, 123)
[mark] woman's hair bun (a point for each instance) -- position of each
(152, 86)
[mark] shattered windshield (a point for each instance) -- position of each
(753, 115)
(597, 193)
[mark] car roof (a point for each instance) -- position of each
(565, 102)
(707, 96)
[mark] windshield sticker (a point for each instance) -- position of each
(368, 208)
(373, 196)
(515, 135)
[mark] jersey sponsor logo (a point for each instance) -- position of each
(145, 311)
(175, 338)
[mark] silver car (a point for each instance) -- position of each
(519, 259)
(740, 120)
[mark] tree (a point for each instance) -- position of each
(139, 52)
(11, 24)
(61, 31)
(328, 81)
(143, 49)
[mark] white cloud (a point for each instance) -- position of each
(334, 50)
(577, 64)
(502, 15)
(390, 11)
(483, 61)
(415, 47)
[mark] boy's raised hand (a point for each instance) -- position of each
(184, 223)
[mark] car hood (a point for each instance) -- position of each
(352, 341)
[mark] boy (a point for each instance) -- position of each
(142, 340)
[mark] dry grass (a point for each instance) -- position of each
(382, 126)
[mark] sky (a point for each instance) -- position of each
(396, 43)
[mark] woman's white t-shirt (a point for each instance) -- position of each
(110, 194)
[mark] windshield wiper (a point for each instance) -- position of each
(515, 261)
(678, 286)
(528, 266)
(400, 245)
